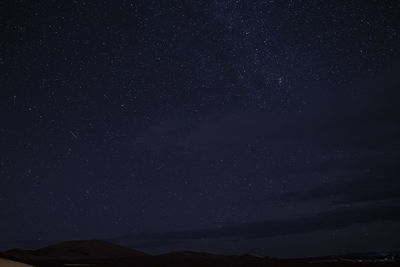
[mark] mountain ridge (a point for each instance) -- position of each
(102, 253)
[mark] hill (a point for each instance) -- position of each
(105, 254)
(81, 249)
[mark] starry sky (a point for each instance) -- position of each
(224, 126)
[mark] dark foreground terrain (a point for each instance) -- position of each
(102, 254)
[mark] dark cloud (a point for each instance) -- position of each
(360, 188)
(328, 220)
(364, 179)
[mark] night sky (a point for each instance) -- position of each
(225, 126)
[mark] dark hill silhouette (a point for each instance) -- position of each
(80, 249)
(105, 254)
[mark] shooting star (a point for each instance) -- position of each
(73, 134)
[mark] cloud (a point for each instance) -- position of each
(366, 188)
(365, 179)
(327, 220)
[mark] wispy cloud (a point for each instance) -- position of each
(328, 220)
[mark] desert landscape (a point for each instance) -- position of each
(103, 254)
